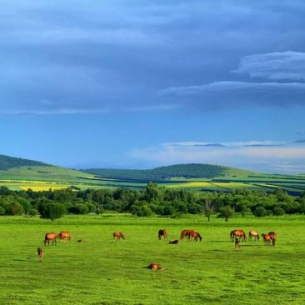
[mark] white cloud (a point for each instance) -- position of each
(232, 93)
(276, 159)
(287, 65)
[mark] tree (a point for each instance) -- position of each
(226, 212)
(208, 208)
(52, 211)
(260, 212)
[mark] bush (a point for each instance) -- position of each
(278, 211)
(260, 212)
(52, 211)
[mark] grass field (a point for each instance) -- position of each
(103, 271)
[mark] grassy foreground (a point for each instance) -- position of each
(103, 271)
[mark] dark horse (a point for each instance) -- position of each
(190, 235)
(238, 234)
(40, 253)
(118, 235)
(254, 235)
(163, 233)
(50, 237)
(64, 235)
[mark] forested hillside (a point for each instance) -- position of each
(7, 162)
(185, 171)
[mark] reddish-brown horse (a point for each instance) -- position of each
(163, 233)
(155, 266)
(194, 235)
(50, 237)
(118, 235)
(185, 234)
(190, 235)
(64, 235)
(240, 234)
(270, 238)
(254, 235)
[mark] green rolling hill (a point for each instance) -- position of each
(18, 173)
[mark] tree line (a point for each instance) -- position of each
(152, 200)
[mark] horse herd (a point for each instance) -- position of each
(187, 234)
(240, 235)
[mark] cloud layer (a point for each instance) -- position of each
(265, 156)
(115, 56)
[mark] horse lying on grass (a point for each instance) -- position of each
(155, 266)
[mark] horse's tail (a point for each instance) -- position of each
(45, 239)
(231, 235)
(200, 237)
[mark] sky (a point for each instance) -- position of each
(139, 84)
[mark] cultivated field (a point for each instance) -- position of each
(102, 271)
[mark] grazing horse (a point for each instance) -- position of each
(269, 239)
(118, 235)
(64, 235)
(40, 253)
(185, 234)
(155, 266)
(273, 237)
(173, 242)
(194, 235)
(254, 235)
(238, 234)
(50, 237)
(163, 233)
(190, 235)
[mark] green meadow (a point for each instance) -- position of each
(102, 271)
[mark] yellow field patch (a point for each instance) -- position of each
(192, 184)
(232, 184)
(37, 188)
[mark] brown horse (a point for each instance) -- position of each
(254, 235)
(273, 235)
(185, 234)
(240, 234)
(190, 235)
(194, 235)
(163, 233)
(50, 237)
(270, 238)
(155, 266)
(118, 235)
(267, 239)
(64, 235)
(40, 253)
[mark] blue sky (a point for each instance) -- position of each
(142, 84)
